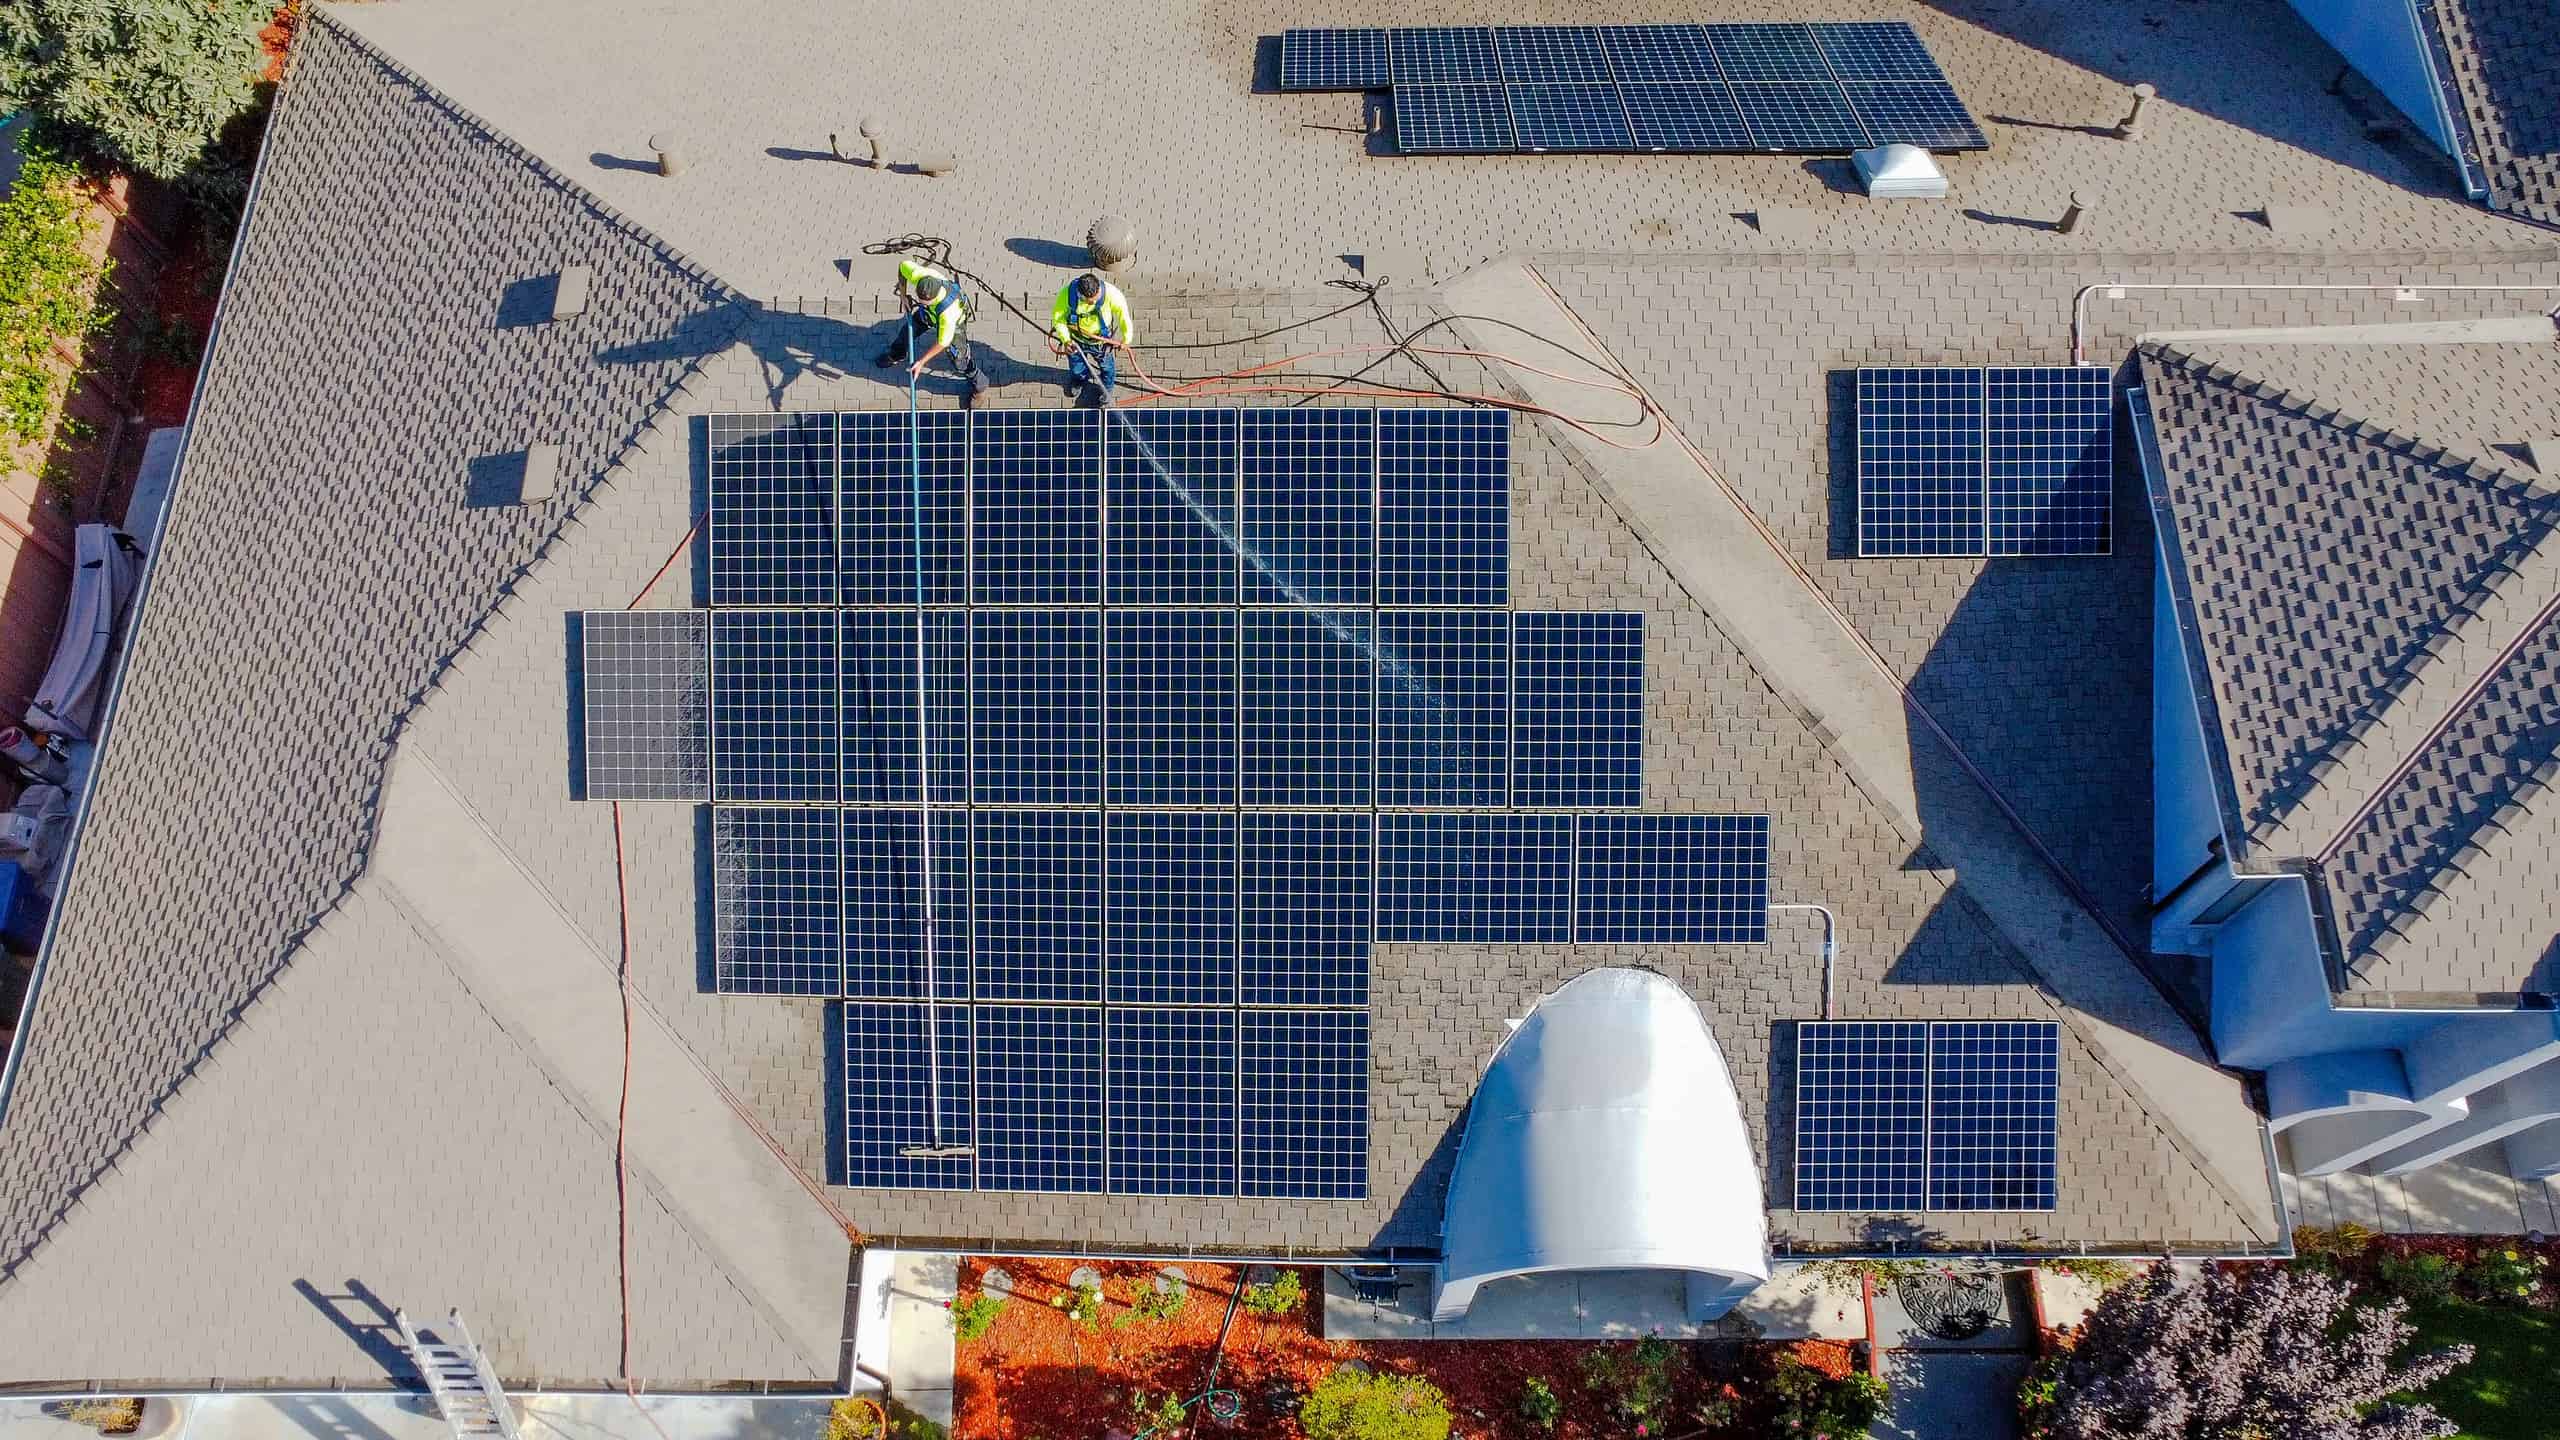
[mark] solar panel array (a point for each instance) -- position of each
(2006, 460)
(1939, 1115)
(1819, 88)
(1212, 702)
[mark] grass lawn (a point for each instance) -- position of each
(2511, 1388)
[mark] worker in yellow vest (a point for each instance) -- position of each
(1089, 324)
(937, 310)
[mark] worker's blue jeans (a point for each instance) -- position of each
(1084, 360)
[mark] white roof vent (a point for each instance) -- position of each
(1897, 172)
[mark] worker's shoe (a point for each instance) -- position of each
(885, 361)
(1071, 388)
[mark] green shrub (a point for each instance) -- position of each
(1634, 1379)
(1275, 1297)
(48, 289)
(972, 1318)
(1160, 1299)
(859, 1418)
(1843, 1276)
(1160, 1417)
(1539, 1404)
(2505, 1276)
(1082, 1304)
(2104, 1274)
(149, 82)
(1356, 1405)
(1811, 1403)
(2422, 1278)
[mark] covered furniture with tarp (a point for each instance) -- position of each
(109, 565)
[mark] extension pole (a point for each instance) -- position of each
(924, 767)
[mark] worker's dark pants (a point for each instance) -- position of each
(1095, 364)
(917, 337)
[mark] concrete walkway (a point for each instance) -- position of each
(1594, 1305)
(1952, 1395)
(904, 1330)
(2468, 1195)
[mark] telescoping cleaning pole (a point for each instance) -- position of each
(940, 1146)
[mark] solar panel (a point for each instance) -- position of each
(1453, 120)
(1685, 117)
(777, 914)
(1309, 531)
(886, 506)
(1036, 904)
(1454, 55)
(1170, 908)
(1461, 879)
(884, 952)
(1444, 702)
(1305, 1121)
(1169, 700)
(878, 655)
(1761, 53)
(1309, 685)
(1171, 537)
(1993, 1093)
(643, 678)
(1444, 506)
(1172, 1083)
(2052, 459)
(1920, 461)
(1925, 113)
(1577, 708)
(1035, 502)
(1035, 731)
(1551, 54)
(773, 705)
(1862, 1115)
(1318, 59)
(773, 500)
(1305, 908)
(1569, 117)
(1659, 54)
(1874, 50)
(897, 1080)
(1671, 880)
(1799, 117)
(1039, 1083)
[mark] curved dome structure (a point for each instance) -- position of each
(1606, 1136)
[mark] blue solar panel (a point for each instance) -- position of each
(1993, 1092)
(1799, 117)
(1035, 507)
(885, 957)
(1551, 54)
(897, 1080)
(2052, 459)
(1172, 524)
(1920, 461)
(1169, 698)
(1444, 702)
(1671, 880)
(773, 705)
(1459, 879)
(1035, 729)
(1309, 514)
(1569, 117)
(1874, 50)
(644, 685)
(1453, 120)
(1309, 687)
(1862, 1115)
(882, 503)
(1684, 117)
(1039, 1079)
(1577, 708)
(773, 502)
(1760, 53)
(1172, 1082)
(1036, 904)
(1170, 908)
(777, 910)
(1305, 908)
(1925, 113)
(1444, 506)
(1321, 59)
(1455, 55)
(1659, 54)
(1305, 1121)
(879, 655)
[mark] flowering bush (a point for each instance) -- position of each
(2505, 1276)
(1823, 1406)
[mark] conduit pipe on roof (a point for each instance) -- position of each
(1830, 945)
(2115, 289)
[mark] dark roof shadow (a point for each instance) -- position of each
(1049, 252)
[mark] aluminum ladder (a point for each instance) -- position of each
(458, 1376)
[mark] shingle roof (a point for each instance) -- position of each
(2507, 71)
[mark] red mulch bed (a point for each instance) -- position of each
(1039, 1376)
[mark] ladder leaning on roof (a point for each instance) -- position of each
(467, 1394)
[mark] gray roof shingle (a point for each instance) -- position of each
(2507, 71)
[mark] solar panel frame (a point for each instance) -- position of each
(2050, 460)
(1035, 731)
(1551, 55)
(1911, 112)
(1671, 880)
(1862, 1115)
(1170, 534)
(1799, 117)
(880, 501)
(876, 665)
(777, 901)
(1321, 58)
(1036, 905)
(1866, 50)
(890, 1065)
(1577, 708)
(1994, 1100)
(774, 725)
(1694, 118)
(1444, 707)
(772, 525)
(644, 684)
(1303, 1131)
(1306, 907)
(1454, 120)
(1660, 54)
(1456, 879)
(1038, 1078)
(1763, 53)
(1444, 506)
(1921, 454)
(1035, 507)
(1170, 1077)
(1169, 704)
(884, 952)
(1442, 55)
(1560, 119)
(1170, 907)
(1309, 476)
(1308, 700)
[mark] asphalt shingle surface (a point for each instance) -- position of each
(2508, 75)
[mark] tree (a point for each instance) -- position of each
(2281, 1354)
(150, 82)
